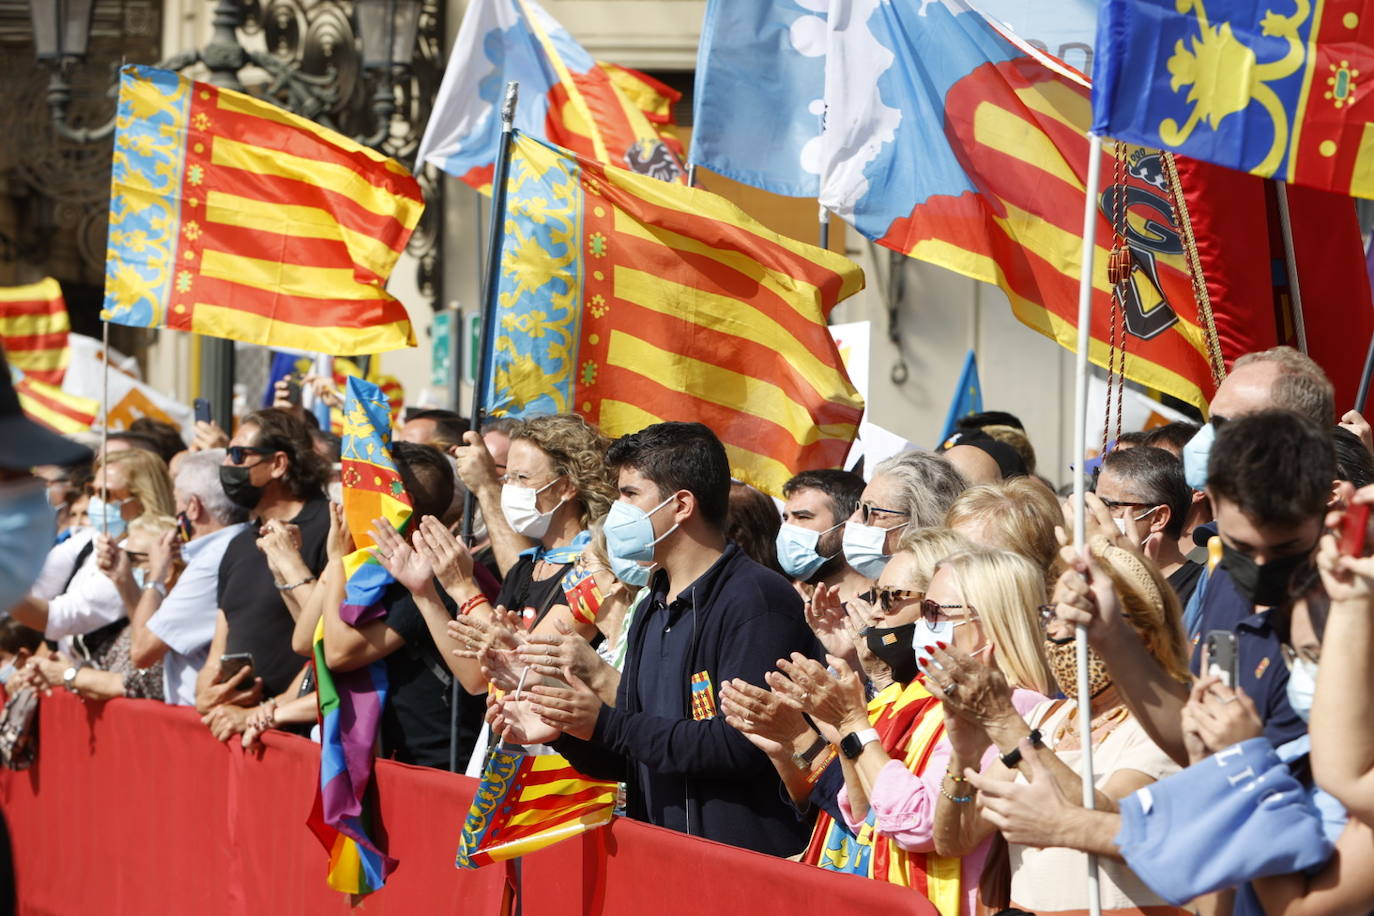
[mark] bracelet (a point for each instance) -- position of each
(957, 799)
(1012, 757)
(955, 779)
(287, 588)
(476, 601)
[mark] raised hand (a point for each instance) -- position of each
(339, 542)
(1220, 716)
(476, 466)
(406, 565)
(572, 709)
(1085, 596)
(770, 724)
(549, 653)
(446, 555)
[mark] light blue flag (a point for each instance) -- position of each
(968, 397)
(1064, 28)
(760, 93)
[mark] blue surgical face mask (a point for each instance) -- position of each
(797, 550)
(27, 528)
(863, 548)
(630, 572)
(1195, 455)
(140, 577)
(106, 518)
(630, 531)
(1302, 686)
(6, 672)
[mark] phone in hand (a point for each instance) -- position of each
(293, 388)
(1222, 659)
(1355, 530)
(203, 412)
(230, 665)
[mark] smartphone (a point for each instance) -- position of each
(203, 413)
(1354, 530)
(230, 665)
(1222, 659)
(293, 388)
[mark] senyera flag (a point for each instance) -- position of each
(604, 112)
(34, 328)
(351, 702)
(973, 155)
(233, 218)
(1275, 89)
(632, 301)
(58, 410)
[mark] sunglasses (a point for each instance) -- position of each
(887, 597)
(866, 513)
(239, 452)
(933, 612)
(135, 556)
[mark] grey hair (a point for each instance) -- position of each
(930, 485)
(198, 476)
(1302, 385)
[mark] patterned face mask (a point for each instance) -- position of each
(583, 594)
(1063, 659)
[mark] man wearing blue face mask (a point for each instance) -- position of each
(810, 541)
(712, 615)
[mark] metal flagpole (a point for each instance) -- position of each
(105, 426)
(1363, 395)
(1080, 446)
(1290, 261)
(825, 227)
(490, 291)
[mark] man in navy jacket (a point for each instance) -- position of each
(712, 614)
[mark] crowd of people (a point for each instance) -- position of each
(876, 675)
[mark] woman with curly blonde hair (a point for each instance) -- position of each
(556, 484)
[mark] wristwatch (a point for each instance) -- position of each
(803, 759)
(852, 744)
(1012, 757)
(69, 676)
(156, 586)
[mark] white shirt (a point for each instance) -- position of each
(89, 603)
(60, 564)
(185, 620)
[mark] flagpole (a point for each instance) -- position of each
(825, 226)
(1080, 446)
(490, 291)
(1363, 394)
(491, 278)
(105, 427)
(1290, 261)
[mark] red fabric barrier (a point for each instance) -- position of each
(133, 808)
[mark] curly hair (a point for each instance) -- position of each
(577, 450)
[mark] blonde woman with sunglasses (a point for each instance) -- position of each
(891, 751)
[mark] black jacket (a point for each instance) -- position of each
(724, 789)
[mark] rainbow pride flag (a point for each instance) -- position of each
(351, 702)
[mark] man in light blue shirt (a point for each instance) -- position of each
(177, 625)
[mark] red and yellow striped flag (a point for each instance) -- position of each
(233, 218)
(33, 329)
(632, 301)
(58, 410)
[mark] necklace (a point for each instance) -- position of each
(1101, 726)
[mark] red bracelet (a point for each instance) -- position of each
(471, 604)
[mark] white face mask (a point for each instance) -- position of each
(863, 548)
(1121, 522)
(520, 505)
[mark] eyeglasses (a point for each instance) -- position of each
(867, 511)
(135, 556)
(1119, 504)
(239, 452)
(887, 597)
(1291, 655)
(933, 612)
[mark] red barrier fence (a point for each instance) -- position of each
(133, 808)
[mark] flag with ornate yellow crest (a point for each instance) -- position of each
(233, 218)
(1273, 89)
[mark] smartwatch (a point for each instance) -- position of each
(1012, 757)
(852, 744)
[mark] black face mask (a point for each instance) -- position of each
(893, 647)
(237, 486)
(1263, 586)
